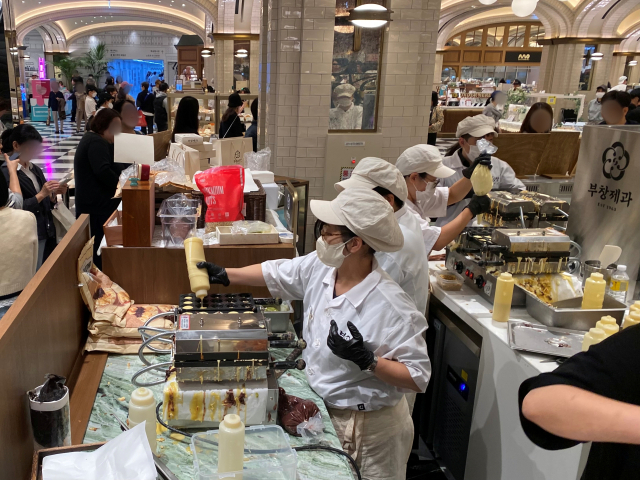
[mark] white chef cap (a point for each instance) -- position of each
(372, 172)
(476, 126)
(423, 159)
(366, 214)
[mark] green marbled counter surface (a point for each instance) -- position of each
(115, 391)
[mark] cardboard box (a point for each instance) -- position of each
(227, 238)
(189, 138)
(203, 147)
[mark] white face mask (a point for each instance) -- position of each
(331, 255)
(599, 94)
(474, 152)
(344, 101)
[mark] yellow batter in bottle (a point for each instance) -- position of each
(594, 289)
(198, 277)
(632, 319)
(502, 300)
(481, 179)
(593, 336)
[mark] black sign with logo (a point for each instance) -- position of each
(523, 57)
(615, 160)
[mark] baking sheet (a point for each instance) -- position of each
(532, 337)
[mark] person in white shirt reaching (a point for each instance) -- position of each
(465, 152)
(365, 340)
(422, 168)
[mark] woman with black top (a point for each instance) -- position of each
(144, 102)
(252, 131)
(186, 120)
(231, 125)
(25, 143)
(96, 174)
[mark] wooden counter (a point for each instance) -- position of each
(159, 275)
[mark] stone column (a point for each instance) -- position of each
(617, 65)
(254, 65)
(437, 71)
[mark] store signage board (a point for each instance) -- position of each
(42, 68)
(354, 144)
(551, 100)
(605, 204)
(133, 149)
(523, 57)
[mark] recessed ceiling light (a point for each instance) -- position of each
(182, 4)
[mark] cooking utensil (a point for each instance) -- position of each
(162, 469)
(610, 254)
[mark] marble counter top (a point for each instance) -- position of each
(115, 391)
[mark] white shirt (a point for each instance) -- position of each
(503, 178)
(621, 87)
(349, 120)
(32, 176)
(385, 316)
(430, 234)
(409, 267)
(89, 106)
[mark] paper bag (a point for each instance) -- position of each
(63, 220)
(186, 157)
(230, 151)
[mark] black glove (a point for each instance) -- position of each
(352, 350)
(483, 158)
(217, 274)
(479, 205)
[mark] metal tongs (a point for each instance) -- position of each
(163, 471)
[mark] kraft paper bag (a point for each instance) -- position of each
(230, 151)
(188, 158)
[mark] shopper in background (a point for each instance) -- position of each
(109, 82)
(160, 109)
(462, 155)
(186, 120)
(252, 131)
(615, 105)
(436, 119)
(422, 169)
(25, 143)
(6, 117)
(112, 91)
(231, 125)
(129, 114)
(633, 115)
(14, 197)
(91, 80)
(156, 86)
(118, 82)
(96, 174)
(594, 110)
(593, 396)
(622, 85)
(144, 102)
(495, 106)
(74, 101)
(19, 247)
(81, 98)
(55, 95)
(539, 119)
(123, 92)
(90, 105)
(517, 84)
(368, 347)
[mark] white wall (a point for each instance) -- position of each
(35, 49)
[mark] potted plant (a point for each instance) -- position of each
(67, 66)
(95, 61)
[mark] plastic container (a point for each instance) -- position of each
(178, 217)
(449, 280)
(502, 299)
(198, 277)
(619, 284)
(267, 455)
(593, 336)
(594, 289)
(142, 407)
(279, 318)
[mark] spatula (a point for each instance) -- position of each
(610, 254)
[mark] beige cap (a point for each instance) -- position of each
(622, 79)
(423, 159)
(372, 172)
(344, 90)
(366, 214)
(476, 126)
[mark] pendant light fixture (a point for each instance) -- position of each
(596, 56)
(633, 63)
(523, 8)
(370, 15)
(205, 53)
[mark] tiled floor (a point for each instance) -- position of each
(57, 157)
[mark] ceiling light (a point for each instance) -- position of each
(14, 49)
(487, 2)
(523, 8)
(242, 50)
(597, 56)
(26, 56)
(370, 15)
(241, 55)
(207, 52)
(632, 63)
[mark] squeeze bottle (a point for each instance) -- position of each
(198, 277)
(635, 306)
(593, 336)
(502, 299)
(481, 179)
(608, 325)
(632, 319)
(231, 445)
(142, 407)
(594, 289)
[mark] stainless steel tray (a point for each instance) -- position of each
(530, 337)
(568, 314)
(280, 320)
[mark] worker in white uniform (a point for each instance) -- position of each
(462, 154)
(622, 84)
(409, 266)
(422, 168)
(365, 337)
(346, 115)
